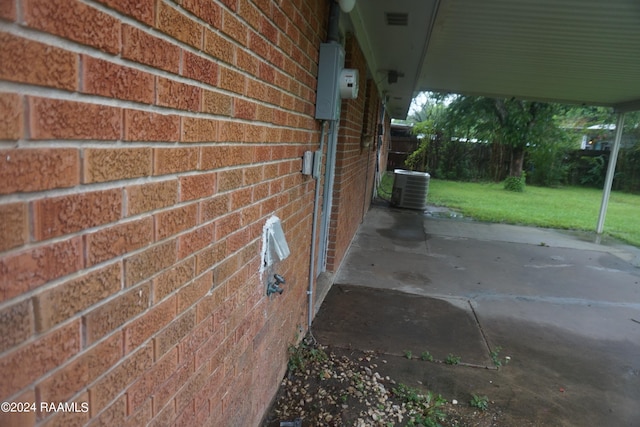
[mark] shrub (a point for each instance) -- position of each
(515, 183)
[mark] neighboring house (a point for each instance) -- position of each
(601, 137)
(143, 146)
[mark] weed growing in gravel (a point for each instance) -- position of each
(452, 360)
(408, 354)
(495, 356)
(426, 356)
(302, 354)
(325, 389)
(480, 402)
(358, 381)
(423, 409)
(497, 360)
(324, 374)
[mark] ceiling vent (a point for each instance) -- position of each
(397, 19)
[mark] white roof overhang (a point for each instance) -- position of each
(568, 51)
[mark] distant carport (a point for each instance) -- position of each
(566, 51)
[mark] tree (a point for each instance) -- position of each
(582, 116)
(476, 138)
(427, 115)
(514, 123)
(428, 106)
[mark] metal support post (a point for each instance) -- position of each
(613, 158)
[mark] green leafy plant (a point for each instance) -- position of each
(596, 168)
(495, 356)
(422, 408)
(480, 402)
(357, 381)
(324, 374)
(497, 360)
(418, 159)
(296, 359)
(302, 354)
(426, 356)
(408, 354)
(452, 360)
(515, 183)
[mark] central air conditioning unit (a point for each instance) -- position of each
(410, 189)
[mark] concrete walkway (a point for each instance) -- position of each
(566, 310)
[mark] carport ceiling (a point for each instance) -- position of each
(570, 51)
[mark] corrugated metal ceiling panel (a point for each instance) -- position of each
(582, 51)
(577, 51)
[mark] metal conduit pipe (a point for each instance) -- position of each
(333, 35)
(314, 229)
(333, 29)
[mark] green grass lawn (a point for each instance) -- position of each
(573, 208)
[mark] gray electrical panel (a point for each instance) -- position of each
(331, 62)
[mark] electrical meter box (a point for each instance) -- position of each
(330, 65)
(349, 80)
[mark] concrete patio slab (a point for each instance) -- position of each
(395, 323)
(564, 306)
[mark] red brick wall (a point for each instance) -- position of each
(143, 144)
(355, 162)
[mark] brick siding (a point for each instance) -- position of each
(143, 145)
(355, 163)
